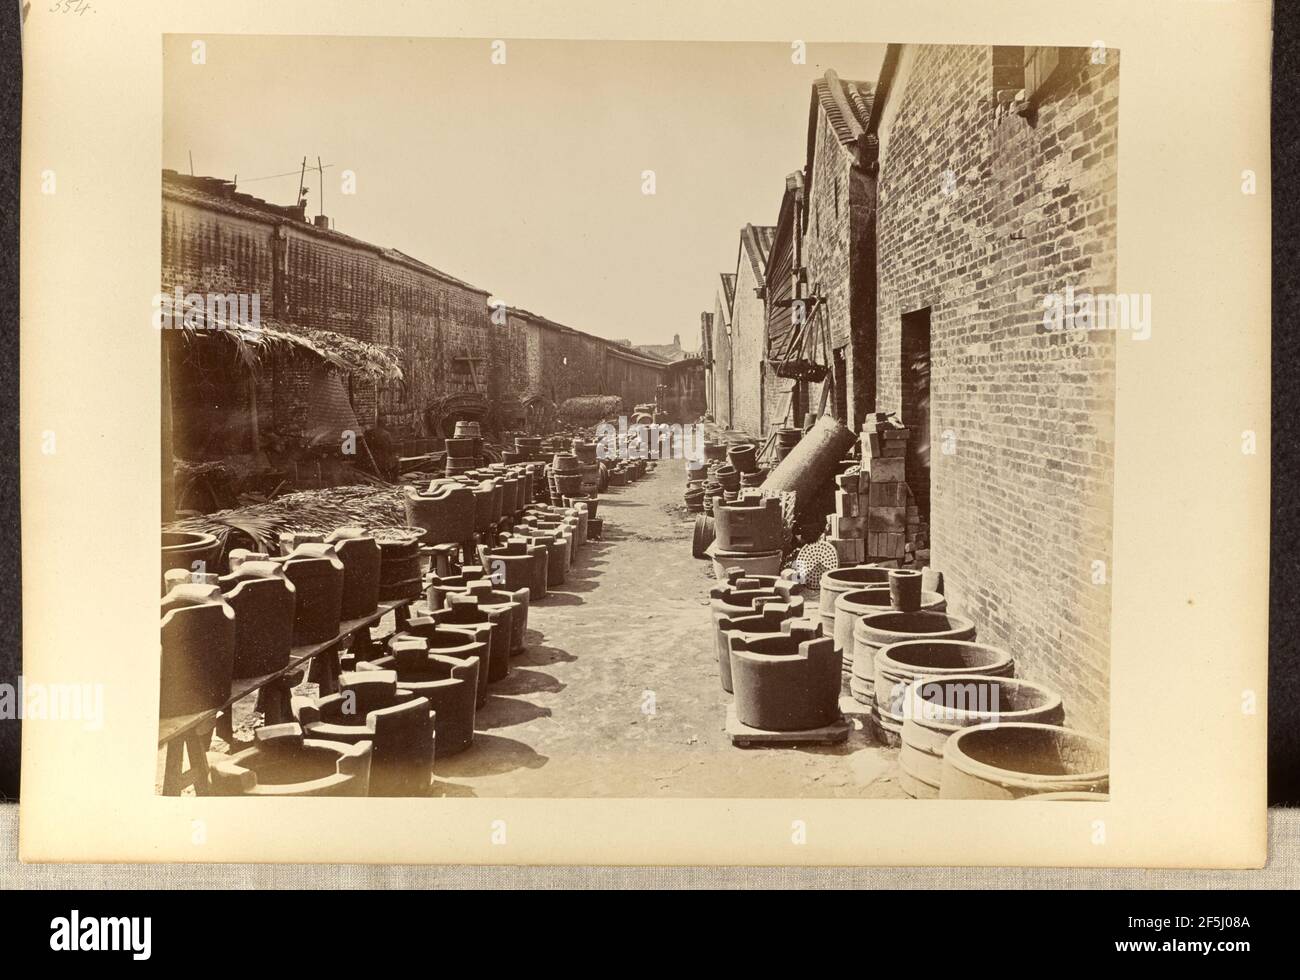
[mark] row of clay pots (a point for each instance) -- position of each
(780, 668)
(216, 629)
(930, 685)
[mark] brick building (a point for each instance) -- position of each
(721, 403)
(997, 188)
(458, 356)
(706, 357)
(840, 239)
(749, 330)
(936, 213)
(312, 277)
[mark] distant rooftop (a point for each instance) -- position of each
(219, 194)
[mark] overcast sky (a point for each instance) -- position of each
(522, 178)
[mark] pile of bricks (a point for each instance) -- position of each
(875, 515)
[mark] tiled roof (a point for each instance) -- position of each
(757, 242)
(664, 352)
(847, 105)
(729, 290)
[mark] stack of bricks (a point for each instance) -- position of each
(884, 452)
(848, 525)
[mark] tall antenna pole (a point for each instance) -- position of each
(320, 209)
(301, 175)
(191, 153)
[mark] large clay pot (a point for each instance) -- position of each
(1009, 761)
(361, 559)
(450, 685)
(766, 619)
(751, 524)
(400, 576)
(198, 650)
(445, 511)
(936, 708)
(283, 763)
(191, 551)
(876, 630)
(849, 606)
(458, 642)
(263, 599)
(317, 575)
(370, 707)
(788, 681)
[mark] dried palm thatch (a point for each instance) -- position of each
(377, 505)
(252, 342)
(589, 409)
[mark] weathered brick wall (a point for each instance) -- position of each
(748, 338)
(1022, 506)
(324, 280)
(839, 253)
(329, 282)
(203, 251)
(828, 235)
(722, 365)
(634, 382)
(508, 367)
(336, 285)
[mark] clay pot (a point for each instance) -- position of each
(751, 563)
(938, 630)
(750, 525)
(467, 643)
(935, 708)
(766, 618)
(361, 559)
(182, 549)
(460, 447)
(370, 708)
(263, 600)
(905, 589)
(317, 575)
(446, 511)
(743, 457)
(400, 576)
(449, 684)
(284, 763)
(1009, 761)
(198, 650)
(849, 606)
(785, 682)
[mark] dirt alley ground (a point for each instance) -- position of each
(631, 623)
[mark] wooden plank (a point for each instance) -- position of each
(742, 735)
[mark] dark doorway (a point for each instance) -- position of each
(916, 405)
(841, 385)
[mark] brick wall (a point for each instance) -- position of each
(328, 281)
(1022, 505)
(839, 254)
(748, 339)
(722, 365)
(352, 290)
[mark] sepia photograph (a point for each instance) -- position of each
(601, 445)
(637, 419)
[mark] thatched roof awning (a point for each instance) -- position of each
(378, 362)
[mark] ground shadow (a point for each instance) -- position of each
(524, 681)
(491, 755)
(503, 712)
(541, 655)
